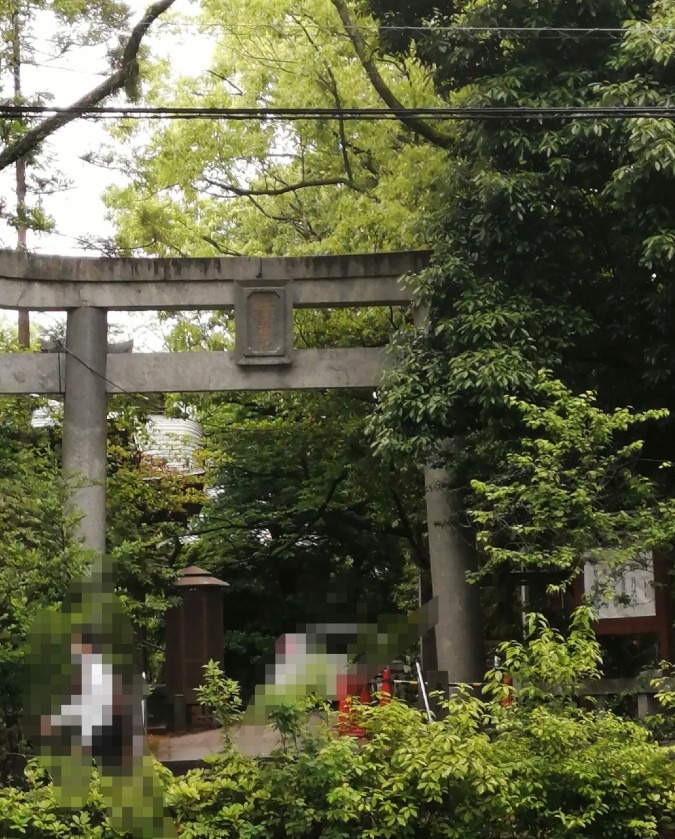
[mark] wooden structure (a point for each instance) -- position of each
(194, 636)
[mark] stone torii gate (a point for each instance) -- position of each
(263, 293)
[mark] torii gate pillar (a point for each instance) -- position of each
(84, 424)
(459, 638)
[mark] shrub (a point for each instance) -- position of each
(548, 770)
(540, 768)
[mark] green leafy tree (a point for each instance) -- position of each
(537, 261)
(149, 509)
(570, 491)
(38, 560)
(302, 511)
(550, 250)
(296, 187)
(551, 238)
(303, 524)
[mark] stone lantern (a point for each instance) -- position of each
(194, 636)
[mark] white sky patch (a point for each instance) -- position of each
(79, 212)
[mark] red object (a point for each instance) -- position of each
(387, 690)
(347, 692)
(346, 724)
(508, 699)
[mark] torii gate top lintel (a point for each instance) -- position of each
(263, 291)
(43, 283)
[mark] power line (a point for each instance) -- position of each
(482, 112)
(118, 388)
(561, 31)
(61, 69)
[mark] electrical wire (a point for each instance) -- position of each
(482, 112)
(61, 69)
(558, 31)
(119, 388)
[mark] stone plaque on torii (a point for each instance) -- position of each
(263, 293)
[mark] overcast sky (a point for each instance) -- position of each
(79, 212)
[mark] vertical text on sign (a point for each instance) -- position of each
(264, 323)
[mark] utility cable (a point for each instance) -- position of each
(558, 31)
(65, 349)
(482, 112)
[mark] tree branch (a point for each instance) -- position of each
(117, 81)
(332, 88)
(280, 190)
(364, 523)
(220, 248)
(385, 93)
(421, 557)
(318, 514)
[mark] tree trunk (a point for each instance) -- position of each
(20, 188)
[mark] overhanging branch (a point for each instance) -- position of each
(115, 82)
(280, 190)
(418, 126)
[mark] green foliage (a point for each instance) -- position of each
(38, 560)
(221, 695)
(665, 685)
(548, 663)
(539, 767)
(552, 249)
(303, 523)
(302, 512)
(556, 773)
(552, 243)
(568, 490)
(149, 510)
(32, 811)
(296, 187)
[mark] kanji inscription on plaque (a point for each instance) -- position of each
(263, 323)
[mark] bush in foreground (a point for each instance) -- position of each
(540, 768)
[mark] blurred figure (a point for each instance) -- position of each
(84, 703)
(335, 659)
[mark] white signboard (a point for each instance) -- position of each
(629, 594)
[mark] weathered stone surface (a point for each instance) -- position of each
(199, 371)
(263, 323)
(44, 283)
